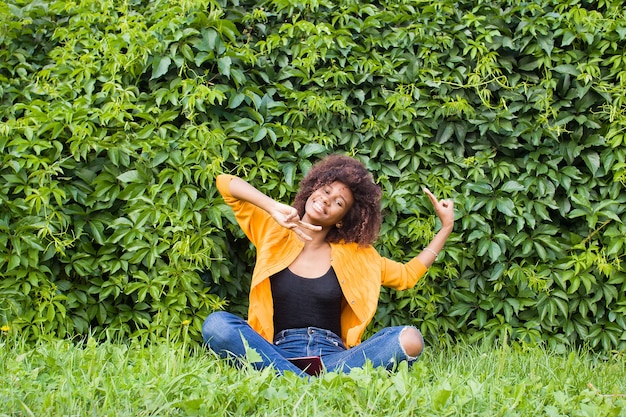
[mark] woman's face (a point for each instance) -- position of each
(328, 205)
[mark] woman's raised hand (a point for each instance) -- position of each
(443, 208)
(288, 217)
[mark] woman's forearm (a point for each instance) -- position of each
(242, 190)
(430, 253)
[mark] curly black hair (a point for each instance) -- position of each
(362, 222)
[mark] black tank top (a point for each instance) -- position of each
(306, 302)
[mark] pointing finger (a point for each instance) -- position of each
(431, 196)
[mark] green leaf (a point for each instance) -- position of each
(391, 170)
(311, 149)
(130, 176)
(505, 206)
(259, 134)
(547, 44)
(441, 397)
(494, 251)
(210, 41)
(223, 65)
(592, 160)
(568, 38)
(160, 66)
(289, 171)
(567, 69)
(512, 186)
(243, 125)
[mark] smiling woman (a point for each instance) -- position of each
(317, 278)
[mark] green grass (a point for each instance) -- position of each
(61, 378)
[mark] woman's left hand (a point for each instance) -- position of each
(443, 208)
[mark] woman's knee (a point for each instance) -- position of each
(412, 341)
(216, 325)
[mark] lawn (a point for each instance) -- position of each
(64, 378)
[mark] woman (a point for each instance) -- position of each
(317, 278)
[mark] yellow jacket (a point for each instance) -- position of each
(360, 270)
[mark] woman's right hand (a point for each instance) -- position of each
(288, 217)
(284, 215)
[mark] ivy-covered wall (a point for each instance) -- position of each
(117, 116)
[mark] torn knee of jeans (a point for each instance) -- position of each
(412, 344)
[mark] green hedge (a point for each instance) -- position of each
(117, 116)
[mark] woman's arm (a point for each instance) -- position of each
(283, 214)
(445, 211)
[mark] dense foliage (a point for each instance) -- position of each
(116, 117)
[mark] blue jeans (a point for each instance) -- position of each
(225, 333)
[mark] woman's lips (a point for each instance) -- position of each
(318, 206)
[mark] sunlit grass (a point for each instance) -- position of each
(64, 378)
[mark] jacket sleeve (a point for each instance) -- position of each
(252, 219)
(401, 276)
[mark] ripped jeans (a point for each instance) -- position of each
(224, 333)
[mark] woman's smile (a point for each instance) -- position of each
(319, 206)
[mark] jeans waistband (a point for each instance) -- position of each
(305, 331)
